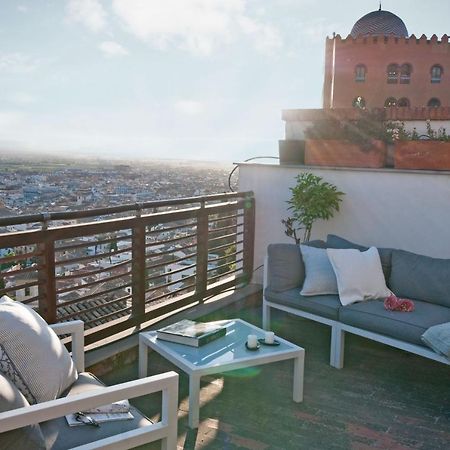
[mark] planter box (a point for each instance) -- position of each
(291, 152)
(431, 155)
(323, 152)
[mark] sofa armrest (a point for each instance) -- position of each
(165, 428)
(76, 329)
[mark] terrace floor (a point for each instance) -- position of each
(383, 398)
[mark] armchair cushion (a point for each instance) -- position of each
(33, 357)
(26, 437)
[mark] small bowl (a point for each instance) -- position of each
(252, 349)
(262, 341)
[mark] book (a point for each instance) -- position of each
(75, 420)
(122, 406)
(195, 334)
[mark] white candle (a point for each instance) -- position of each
(269, 337)
(251, 341)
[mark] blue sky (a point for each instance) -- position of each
(182, 79)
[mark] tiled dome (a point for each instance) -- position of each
(379, 23)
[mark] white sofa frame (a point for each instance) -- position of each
(338, 330)
(164, 430)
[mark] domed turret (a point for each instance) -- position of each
(379, 23)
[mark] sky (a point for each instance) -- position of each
(179, 79)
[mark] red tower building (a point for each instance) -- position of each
(382, 66)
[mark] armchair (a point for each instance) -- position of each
(88, 392)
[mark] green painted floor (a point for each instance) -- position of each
(383, 398)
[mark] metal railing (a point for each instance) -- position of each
(115, 268)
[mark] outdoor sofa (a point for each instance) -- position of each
(423, 279)
(40, 383)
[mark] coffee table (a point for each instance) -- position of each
(224, 354)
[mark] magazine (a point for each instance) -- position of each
(195, 334)
(77, 419)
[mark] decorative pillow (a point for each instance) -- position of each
(26, 437)
(359, 275)
(438, 338)
(334, 241)
(32, 356)
(319, 275)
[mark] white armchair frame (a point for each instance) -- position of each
(165, 429)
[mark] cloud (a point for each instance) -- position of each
(21, 98)
(112, 49)
(23, 8)
(189, 107)
(198, 26)
(90, 13)
(17, 63)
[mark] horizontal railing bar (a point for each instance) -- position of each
(168, 241)
(226, 256)
(227, 236)
(220, 247)
(62, 262)
(93, 283)
(68, 215)
(169, 252)
(165, 263)
(217, 230)
(220, 219)
(159, 297)
(106, 316)
(224, 274)
(175, 227)
(17, 257)
(90, 296)
(170, 273)
(18, 287)
(94, 307)
(16, 271)
(170, 283)
(225, 265)
(93, 272)
(30, 300)
(92, 243)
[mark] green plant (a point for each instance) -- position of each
(363, 130)
(399, 133)
(312, 199)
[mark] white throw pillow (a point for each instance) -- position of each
(319, 275)
(31, 354)
(359, 275)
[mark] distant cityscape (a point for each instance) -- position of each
(38, 185)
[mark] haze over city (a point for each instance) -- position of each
(180, 79)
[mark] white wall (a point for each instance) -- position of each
(385, 208)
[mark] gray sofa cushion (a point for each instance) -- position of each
(322, 305)
(438, 338)
(23, 438)
(286, 269)
(337, 242)
(58, 435)
(420, 277)
(408, 327)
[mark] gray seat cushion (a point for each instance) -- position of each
(406, 326)
(420, 277)
(58, 435)
(22, 438)
(337, 242)
(286, 269)
(322, 305)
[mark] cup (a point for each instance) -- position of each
(252, 341)
(269, 337)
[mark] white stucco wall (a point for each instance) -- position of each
(386, 208)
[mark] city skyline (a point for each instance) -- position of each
(192, 79)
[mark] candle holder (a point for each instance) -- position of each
(262, 341)
(252, 349)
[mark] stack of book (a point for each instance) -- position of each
(195, 334)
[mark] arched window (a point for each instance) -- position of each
(405, 73)
(360, 73)
(434, 103)
(436, 73)
(390, 102)
(403, 103)
(392, 73)
(359, 102)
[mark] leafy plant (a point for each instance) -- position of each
(398, 132)
(363, 130)
(312, 199)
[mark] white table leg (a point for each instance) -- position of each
(194, 400)
(143, 358)
(299, 365)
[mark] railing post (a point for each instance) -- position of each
(46, 275)
(138, 271)
(202, 252)
(249, 238)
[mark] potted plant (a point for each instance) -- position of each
(312, 199)
(430, 151)
(357, 142)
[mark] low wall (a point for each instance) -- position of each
(382, 207)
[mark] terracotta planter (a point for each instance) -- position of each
(432, 155)
(323, 152)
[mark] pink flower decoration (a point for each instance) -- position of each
(393, 303)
